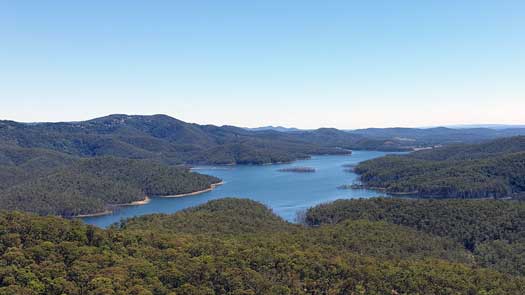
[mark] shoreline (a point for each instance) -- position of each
(136, 203)
(105, 212)
(384, 190)
(146, 201)
(309, 157)
(212, 187)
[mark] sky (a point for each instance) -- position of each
(307, 64)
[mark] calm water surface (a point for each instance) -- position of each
(287, 193)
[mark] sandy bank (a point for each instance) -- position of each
(147, 200)
(105, 212)
(212, 186)
(142, 202)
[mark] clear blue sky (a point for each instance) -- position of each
(344, 64)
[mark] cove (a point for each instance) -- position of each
(286, 193)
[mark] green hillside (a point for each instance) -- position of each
(48, 182)
(235, 246)
(494, 169)
(492, 230)
(169, 140)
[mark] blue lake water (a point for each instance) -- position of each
(287, 193)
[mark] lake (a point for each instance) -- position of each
(287, 193)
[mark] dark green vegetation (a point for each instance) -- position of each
(86, 167)
(170, 140)
(298, 169)
(41, 164)
(492, 230)
(48, 182)
(236, 246)
(494, 169)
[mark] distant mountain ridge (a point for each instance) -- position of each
(169, 140)
(165, 139)
(439, 135)
(489, 126)
(40, 161)
(275, 128)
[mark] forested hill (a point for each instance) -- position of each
(492, 169)
(43, 166)
(170, 140)
(233, 246)
(47, 182)
(492, 230)
(439, 135)
(89, 167)
(167, 139)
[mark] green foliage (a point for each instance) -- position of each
(169, 140)
(502, 255)
(42, 171)
(493, 230)
(91, 185)
(495, 169)
(254, 252)
(224, 216)
(232, 246)
(389, 241)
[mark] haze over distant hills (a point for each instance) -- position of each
(469, 130)
(92, 166)
(489, 126)
(33, 156)
(438, 135)
(493, 169)
(275, 128)
(38, 161)
(170, 140)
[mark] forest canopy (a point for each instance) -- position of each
(492, 230)
(490, 170)
(170, 140)
(50, 183)
(235, 246)
(86, 167)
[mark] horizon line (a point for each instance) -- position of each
(450, 126)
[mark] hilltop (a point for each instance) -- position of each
(41, 164)
(492, 169)
(236, 246)
(170, 140)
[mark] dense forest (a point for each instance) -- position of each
(493, 169)
(439, 135)
(169, 140)
(49, 182)
(235, 246)
(172, 141)
(493, 231)
(75, 168)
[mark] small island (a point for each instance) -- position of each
(298, 169)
